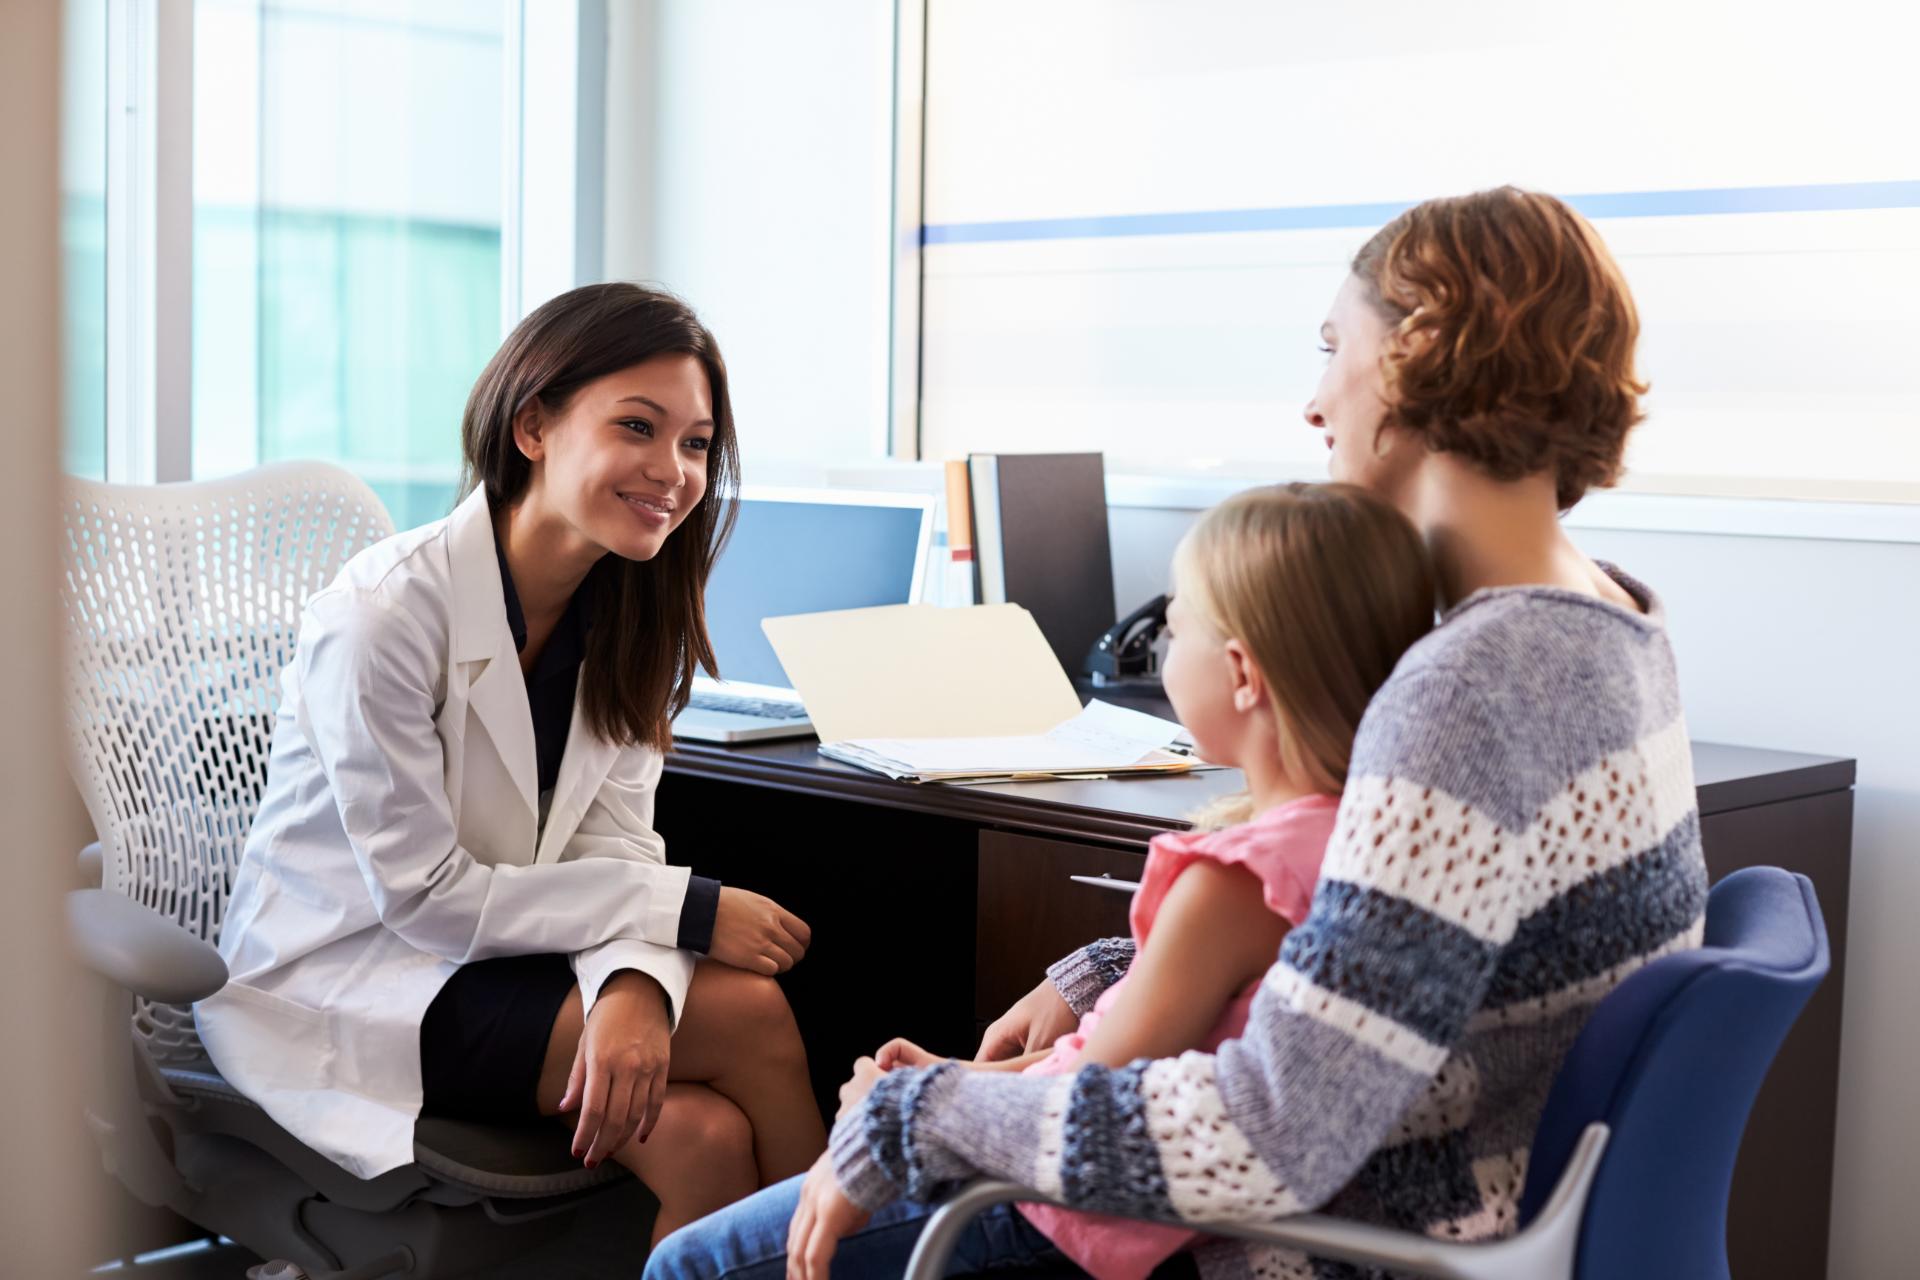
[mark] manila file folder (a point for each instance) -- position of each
(921, 671)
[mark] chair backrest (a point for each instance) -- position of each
(182, 603)
(1670, 1061)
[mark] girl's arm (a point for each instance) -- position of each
(1015, 1065)
(1213, 935)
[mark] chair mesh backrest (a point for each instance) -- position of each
(182, 603)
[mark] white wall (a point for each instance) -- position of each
(45, 1216)
(1810, 646)
(1803, 645)
(768, 206)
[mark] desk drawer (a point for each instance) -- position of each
(1031, 913)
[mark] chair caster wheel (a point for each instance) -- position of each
(276, 1271)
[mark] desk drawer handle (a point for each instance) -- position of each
(1108, 882)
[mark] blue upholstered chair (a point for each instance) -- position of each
(1634, 1154)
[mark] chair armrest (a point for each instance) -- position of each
(139, 949)
(90, 866)
(1543, 1251)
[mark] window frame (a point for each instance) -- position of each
(150, 210)
(902, 430)
(149, 331)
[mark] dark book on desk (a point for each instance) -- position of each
(1040, 540)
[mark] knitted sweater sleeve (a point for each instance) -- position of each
(1418, 894)
(1085, 975)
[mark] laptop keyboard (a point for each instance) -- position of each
(764, 708)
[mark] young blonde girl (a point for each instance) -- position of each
(1291, 606)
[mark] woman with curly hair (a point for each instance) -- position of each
(1517, 832)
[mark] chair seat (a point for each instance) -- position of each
(512, 1161)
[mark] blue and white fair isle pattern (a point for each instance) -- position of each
(1518, 833)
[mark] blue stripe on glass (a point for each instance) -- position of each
(1817, 198)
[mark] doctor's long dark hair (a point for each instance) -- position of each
(649, 620)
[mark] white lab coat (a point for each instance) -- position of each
(397, 841)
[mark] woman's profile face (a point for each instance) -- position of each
(1350, 402)
(626, 459)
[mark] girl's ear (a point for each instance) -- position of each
(1248, 686)
(527, 425)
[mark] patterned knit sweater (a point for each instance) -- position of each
(1518, 834)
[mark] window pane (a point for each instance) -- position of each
(1137, 215)
(347, 259)
(83, 237)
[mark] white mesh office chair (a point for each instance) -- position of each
(182, 603)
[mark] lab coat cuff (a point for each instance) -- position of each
(671, 968)
(660, 916)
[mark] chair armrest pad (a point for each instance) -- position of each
(136, 947)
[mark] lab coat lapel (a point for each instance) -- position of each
(582, 769)
(483, 642)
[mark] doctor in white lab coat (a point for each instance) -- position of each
(406, 848)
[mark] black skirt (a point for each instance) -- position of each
(484, 1038)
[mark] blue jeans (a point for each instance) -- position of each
(748, 1241)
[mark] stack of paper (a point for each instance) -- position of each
(930, 694)
(1102, 740)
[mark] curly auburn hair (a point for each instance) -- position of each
(1513, 336)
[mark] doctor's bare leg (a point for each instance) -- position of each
(698, 1159)
(737, 1038)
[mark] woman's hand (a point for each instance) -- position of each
(757, 934)
(905, 1053)
(823, 1218)
(1036, 1020)
(619, 1076)
(865, 1072)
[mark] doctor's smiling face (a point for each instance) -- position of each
(602, 434)
(624, 460)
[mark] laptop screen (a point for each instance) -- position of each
(804, 557)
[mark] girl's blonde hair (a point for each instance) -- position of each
(1326, 585)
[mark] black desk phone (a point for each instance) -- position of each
(1125, 653)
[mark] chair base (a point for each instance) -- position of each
(245, 1194)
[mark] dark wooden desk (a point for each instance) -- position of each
(933, 907)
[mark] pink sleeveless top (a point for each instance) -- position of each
(1282, 848)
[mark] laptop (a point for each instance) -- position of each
(797, 551)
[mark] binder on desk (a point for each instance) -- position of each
(961, 588)
(948, 695)
(1040, 540)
